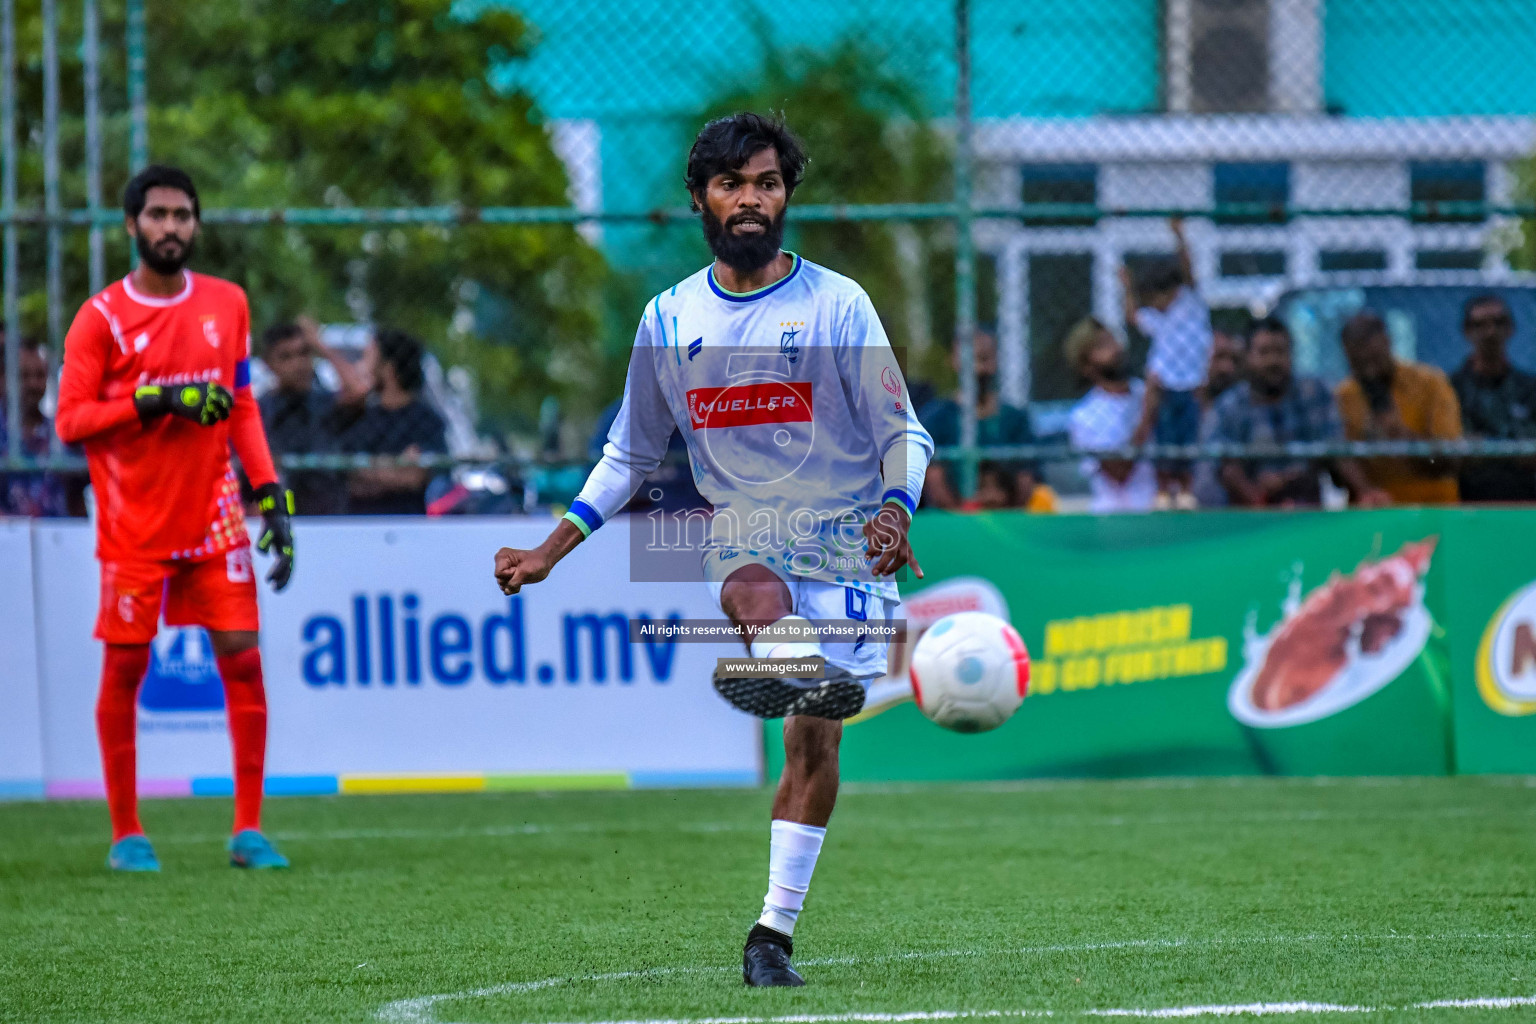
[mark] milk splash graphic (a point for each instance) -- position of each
(1336, 646)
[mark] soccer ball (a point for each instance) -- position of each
(970, 672)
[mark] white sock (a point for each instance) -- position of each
(772, 641)
(792, 856)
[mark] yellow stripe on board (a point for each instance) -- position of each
(412, 783)
(608, 780)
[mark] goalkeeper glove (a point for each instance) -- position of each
(276, 504)
(204, 404)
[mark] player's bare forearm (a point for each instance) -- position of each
(518, 566)
(354, 388)
(886, 542)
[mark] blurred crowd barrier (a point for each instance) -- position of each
(1090, 226)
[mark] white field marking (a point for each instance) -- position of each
(1036, 821)
(1484, 1003)
(837, 1018)
(1237, 1010)
(1178, 782)
(1280, 1009)
(423, 1009)
(489, 831)
(1032, 820)
(1154, 1013)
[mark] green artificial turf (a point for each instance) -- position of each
(1054, 896)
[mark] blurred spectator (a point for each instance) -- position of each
(996, 423)
(1225, 370)
(1388, 400)
(304, 418)
(34, 492)
(395, 421)
(1110, 415)
(1178, 323)
(996, 487)
(1273, 406)
(1497, 401)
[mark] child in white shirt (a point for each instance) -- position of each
(1178, 322)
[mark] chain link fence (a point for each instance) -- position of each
(1118, 241)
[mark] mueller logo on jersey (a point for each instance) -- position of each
(746, 405)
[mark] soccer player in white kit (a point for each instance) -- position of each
(802, 436)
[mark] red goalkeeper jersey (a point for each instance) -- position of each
(164, 490)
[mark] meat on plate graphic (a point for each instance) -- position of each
(1336, 646)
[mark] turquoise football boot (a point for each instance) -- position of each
(132, 853)
(250, 849)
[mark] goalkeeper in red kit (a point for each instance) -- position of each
(156, 386)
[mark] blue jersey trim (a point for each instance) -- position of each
(753, 296)
(243, 374)
(587, 514)
(897, 494)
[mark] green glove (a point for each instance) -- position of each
(276, 504)
(204, 404)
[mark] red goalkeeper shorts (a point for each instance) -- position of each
(217, 593)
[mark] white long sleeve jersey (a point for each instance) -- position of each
(795, 413)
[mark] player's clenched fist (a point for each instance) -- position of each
(204, 403)
(514, 567)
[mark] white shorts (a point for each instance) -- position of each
(816, 599)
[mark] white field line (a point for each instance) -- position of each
(1482, 1003)
(825, 1018)
(423, 1009)
(1022, 820)
(1151, 1013)
(1181, 782)
(489, 831)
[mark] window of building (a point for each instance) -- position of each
(1437, 182)
(1060, 183)
(1448, 259)
(1060, 294)
(1351, 259)
(1253, 263)
(1264, 189)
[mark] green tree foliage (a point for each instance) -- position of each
(871, 139)
(343, 103)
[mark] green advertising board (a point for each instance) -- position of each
(1490, 601)
(1312, 643)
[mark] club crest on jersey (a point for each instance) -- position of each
(787, 347)
(211, 330)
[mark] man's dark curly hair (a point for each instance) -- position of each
(136, 192)
(404, 352)
(728, 142)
